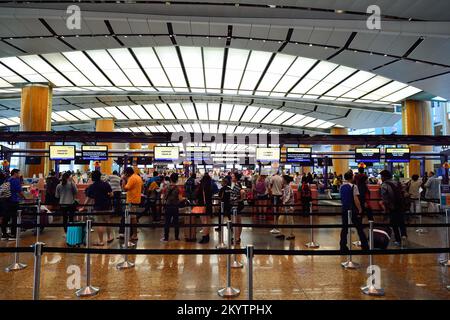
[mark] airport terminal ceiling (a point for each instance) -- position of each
(169, 71)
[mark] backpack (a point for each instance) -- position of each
(305, 191)
(401, 200)
(5, 190)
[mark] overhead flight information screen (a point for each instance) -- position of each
(298, 155)
(95, 153)
(397, 154)
(367, 155)
(166, 153)
(267, 154)
(62, 152)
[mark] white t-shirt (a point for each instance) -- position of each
(277, 185)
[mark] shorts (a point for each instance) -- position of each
(276, 200)
(262, 197)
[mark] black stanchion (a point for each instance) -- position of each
(17, 265)
(37, 269)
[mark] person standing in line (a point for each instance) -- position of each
(50, 189)
(392, 203)
(204, 198)
(133, 188)
(171, 207)
(13, 202)
(288, 203)
(114, 181)
(66, 192)
(361, 181)
(262, 196)
(5, 193)
(237, 202)
(413, 189)
(432, 187)
(350, 202)
(276, 190)
(101, 193)
(305, 197)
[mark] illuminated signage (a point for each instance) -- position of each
(62, 152)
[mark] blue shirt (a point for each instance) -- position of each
(16, 189)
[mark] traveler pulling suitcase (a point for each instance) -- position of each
(75, 234)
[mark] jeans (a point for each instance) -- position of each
(172, 216)
(117, 203)
(397, 221)
(356, 221)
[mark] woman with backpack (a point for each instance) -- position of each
(66, 192)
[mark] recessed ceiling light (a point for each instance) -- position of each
(310, 45)
(125, 36)
(251, 39)
(339, 11)
(326, 48)
(272, 5)
(385, 55)
(264, 40)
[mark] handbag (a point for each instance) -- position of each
(200, 209)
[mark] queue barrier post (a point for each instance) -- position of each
(446, 262)
(250, 254)
(88, 290)
(228, 291)
(126, 264)
(236, 264)
(419, 230)
(349, 264)
(371, 288)
(221, 244)
(38, 218)
(37, 269)
(311, 244)
(16, 265)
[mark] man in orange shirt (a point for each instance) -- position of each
(133, 187)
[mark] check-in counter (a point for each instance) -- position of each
(374, 193)
(314, 194)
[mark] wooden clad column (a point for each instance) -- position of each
(417, 120)
(340, 166)
(105, 125)
(35, 115)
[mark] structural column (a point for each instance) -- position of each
(417, 120)
(340, 166)
(35, 115)
(105, 125)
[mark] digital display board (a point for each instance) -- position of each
(297, 155)
(321, 162)
(32, 160)
(367, 155)
(121, 160)
(95, 153)
(397, 154)
(62, 152)
(267, 154)
(166, 153)
(198, 153)
(80, 161)
(144, 160)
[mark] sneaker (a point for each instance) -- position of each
(397, 244)
(274, 231)
(280, 236)
(12, 238)
(5, 237)
(290, 238)
(164, 240)
(121, 236)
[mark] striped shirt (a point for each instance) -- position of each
(114, 182)
(236, 193)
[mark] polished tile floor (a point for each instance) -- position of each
(199, 277)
